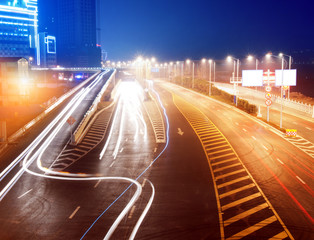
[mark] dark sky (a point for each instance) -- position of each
(176, 30)
(179, 29)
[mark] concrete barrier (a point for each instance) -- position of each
(79, 132)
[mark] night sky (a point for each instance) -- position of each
(176, 30)
(180, 29)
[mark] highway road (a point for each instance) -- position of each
(174, 165)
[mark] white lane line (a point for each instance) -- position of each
(237, 123)
(131, 212)
(25, 193)
(126, 139)
(111, 164)
(121, 150)
(308, 128)
(144, 182)
(295, 123)
(97, 183)
(300, 180)
(155, 150)
(254, 138)
(280, 161)
(244, 129)
(75, 211)
(265, 147)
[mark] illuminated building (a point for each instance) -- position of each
(76, 38)
(19, 29)
(48, 50)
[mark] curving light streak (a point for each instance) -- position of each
(145, 170)
(140, 220)
(26, 153)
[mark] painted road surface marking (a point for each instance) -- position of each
(75, 211)
(25, 193)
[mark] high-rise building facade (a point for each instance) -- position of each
(19, 29)
(76, 36)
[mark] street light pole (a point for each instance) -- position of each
(281, 92)
(210, 78)
(193, 74)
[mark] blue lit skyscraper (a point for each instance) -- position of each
(76, 37)
(19, 29)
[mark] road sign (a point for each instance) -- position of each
(71, 120)
(268, 102)
(268, 88)
(268, 95)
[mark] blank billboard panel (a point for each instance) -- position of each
(289, 77)
(252, 78)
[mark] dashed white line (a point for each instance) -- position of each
(254, 138)
(244, 129)
(25, 193)
(308, 128)
(237, 123)
(300, 180)
(75, 211)
(97, 183)
(265, 147)
(280, 161)
(155, 150)
(143, 184)
(121, 150)
(131, 212)
(111, 164)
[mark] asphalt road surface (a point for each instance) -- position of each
(219, 174)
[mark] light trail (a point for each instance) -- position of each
(70, 108)
(146, 169)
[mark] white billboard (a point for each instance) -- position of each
(289, 77)
(252, 78)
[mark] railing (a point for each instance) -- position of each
(296, 105)
(27, 126)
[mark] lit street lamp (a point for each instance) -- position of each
(281, 87)
(290, 62)
(235, 61)
(188, 62)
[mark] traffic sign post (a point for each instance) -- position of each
(71, 120)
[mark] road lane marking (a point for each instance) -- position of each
(244, 129)
(254, 138)
(254, 228)
(280, 161)
(143, 184)
(25, 193)
(155, 150)
(240, 201)
(75, 211)
(237, 123)
(132, 212)
(300, 180)
(121, 150)
(111, 164)
(245, 214)
(235, 182)
(224, 161)
(265, 147)
(308, 128)
(97, 183)
(226, 194)
(281, 235)
(226, 167)
(229, 174)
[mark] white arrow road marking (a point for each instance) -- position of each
(180, 132)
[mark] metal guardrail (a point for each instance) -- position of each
(308, 109)
(93, 108)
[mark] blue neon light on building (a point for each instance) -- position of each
(19, 29)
